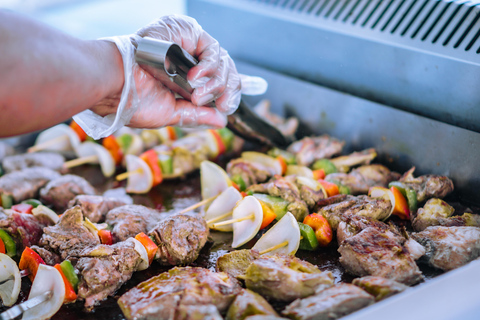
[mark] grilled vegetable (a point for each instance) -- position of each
(10, 280)
(401, 205)
(325, 164)
(140, 248)
(323, 231)
(239, 181)
(227, 138)
(149, 245)
(277, 204)
(309, 240)
(268, 215)
(7, 201)
(151, 159)
(46, 211)
(221, 208)
(69, 273)
(331, 188)
(140, 179)
(105, 236)
(33, 202)
(288, 157)
(244, 231)
(408, 193)
(70, 294)
(10, 247)
(22, 208)
(283, 237)
(214, 179)
(30, 260)
(111, 144)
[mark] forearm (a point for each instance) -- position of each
(47, 76)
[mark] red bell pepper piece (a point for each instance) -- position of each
(218, 139)
(2, 247)
(151, 158)
(110, 143)
(149, 245)
(23, 208)
(105, 237)
(30, 260)
(323, 231)
(70, 294)
(319, 174)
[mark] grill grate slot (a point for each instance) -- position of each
(467, 30)
(393, 15)
(361, 11)
(447, 23)
(370, 15)
(352, 10)
(425, 19)
(405, 14)
(457, 26)
(415, 16)
(322, 7)
(332, 8)
(342, 8)
(382, 14)
(436, 21)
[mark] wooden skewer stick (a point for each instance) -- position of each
(278, 246)
(46, 144)
(224, 223)
(80, 161)
(198, 204)
(219, 217)
(127, 174)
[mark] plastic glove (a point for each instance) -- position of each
(146, 103)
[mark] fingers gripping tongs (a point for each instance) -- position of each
(169, 63)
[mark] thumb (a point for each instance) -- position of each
(188, 115)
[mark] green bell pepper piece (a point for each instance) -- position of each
(408, 193)
(125, 140)
(326, 165)
(287, 156)
(33, 202)
(227, 138)
(343, 189)
(10, 247)
(178, 132)
(277, 204)
(309, 240)
(7, 201)
(70, 274)
(166, 163)
(240, 182)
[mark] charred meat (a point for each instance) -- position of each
(235, 263)
(50, 258)
(51, 160)
(331, 303)
(354, 224)
(59, 192)
(428, 186)
(310, 149)
(250, 172)
(26, 183)
(364, 157)
(379, 287)
(161, 297)
(249, 303)
(94, 207)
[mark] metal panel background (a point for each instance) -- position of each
(417, 55)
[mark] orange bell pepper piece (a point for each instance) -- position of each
(105, 236)
(331, 188)
(30, 260)
(401, 205)
(151, 158)
(70, 294)
(283, 163)
(110, 143)
(268, 215)
(149, 245)
(218, 139)
(78, 130)
(323, 231)
(318, 174)
(172, 134)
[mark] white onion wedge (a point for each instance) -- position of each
(222, 205)
(9, 273)
(245, 230)
(69, 143)
(380, 192)
(284, 236)
(213, 179)
(209, 141)
(140, 179)
(47, 279)
(267, 161)
(301, 171)
(46, 211)
(312, 184)
(104, 158)
(92, 228)
(142, 252)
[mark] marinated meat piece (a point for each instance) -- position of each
(103, 269)
(50, 258)
(360, 180)
(251, 172)
(49, 160)
(364, 206)
(249, 303)
(188, 153)
(428, 186)
(26, 183)
(179, 238)
(25, 229)
(95, 208)
(379, 287)
(59, 192)
(286, 188)
(69, 236)
(331, 303)
(235, 263)
(364, 157)
(285, 278)
(376, 252)
(128, 221)
(5, 150)
(309, 149)
(286, 126)
(118, 193)
(160, 297)
(264, 317)
(206, 312)
(354, 224)
(448, 248)
(437, 212)
(310, 196)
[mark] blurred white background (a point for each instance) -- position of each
(91, 19)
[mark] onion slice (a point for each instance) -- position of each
(301, 171)
(47, 279)
(104, 158)
(286, 231)
(140, 180)
(213, 179)
(142, 252)
(263, 159)
(312, 184)
(46, 211)
(9, 273)
(380, 192)
(222, 205)
(245, 230)
(58, 131)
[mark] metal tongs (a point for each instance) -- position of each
(169, 63)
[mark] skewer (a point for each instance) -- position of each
(196, 205)
(127, 174)
(23, 273)
(280, 245)
(219, 217)
(19, 309)
(224, 223)
(80, 161)
(46, 144)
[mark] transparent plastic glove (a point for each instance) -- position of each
(146, 103)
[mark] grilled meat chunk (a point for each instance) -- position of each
(202, 312)
(285, 278)
(264, 317)
(448, 248)
(26, 183)
(286, 188)
(129, 220)
(235, 263)
(59, 192)
(179, 237)
(25, 229)
(250, 172)
(118, 193)
(50, 258)
(309, 149)
(188, 153)
(331, 303)
(161, 297)
(437, 212)
(428, 186)
(94, 207)
(286, 126)
(364, 157)
(364, 177)
(379, 287)
(249, 303)
(69, 236)
(51, 160)
(353, 224)
(103, 269)
(364, 206)
(376, 252)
